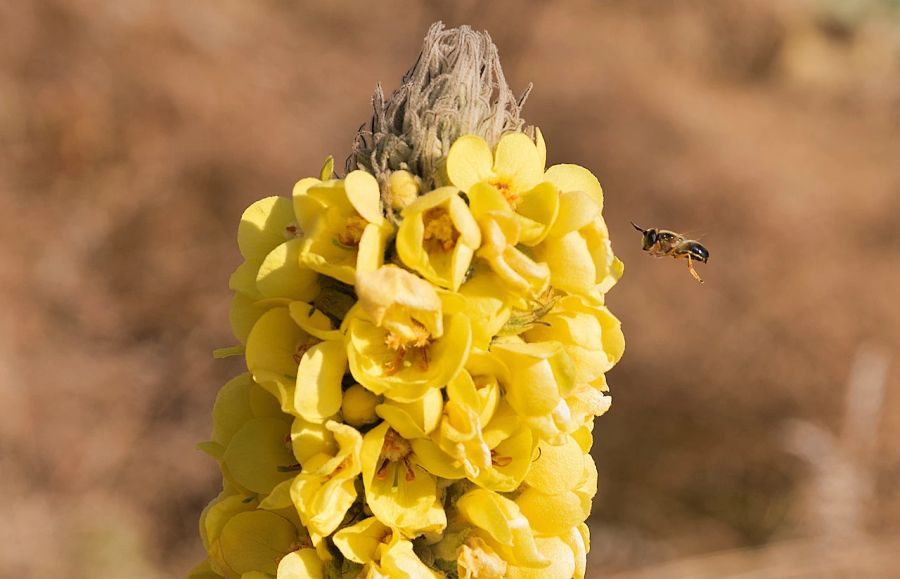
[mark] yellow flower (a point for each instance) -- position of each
(478, 561)
(479, 431)
(325, 489)
(558, 468)
(251, 541)
(590, 334)
(385, 552)
(460, 434)
(503, 527)
(257, 455)
(540, 376)
(275, 347)
(438, 237)
(269, 238)
(520, 274)
(238, 401)
(310, 438)
(577, 248)
(401, 493)
(317, 395)
(509, 180)
(402, 339)
(348, 232)
(414, 419)
(363, 541)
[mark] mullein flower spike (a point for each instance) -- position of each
(425, 357)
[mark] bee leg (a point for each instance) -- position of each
(691, 269)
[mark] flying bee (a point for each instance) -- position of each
(661, 242)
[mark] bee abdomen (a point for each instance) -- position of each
(697, 251)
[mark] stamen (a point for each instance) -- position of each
(503, 186)
(352, 232)
(498, 460)
(440, 233)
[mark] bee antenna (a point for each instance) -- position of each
(636, 227)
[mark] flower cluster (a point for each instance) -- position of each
(421, 390)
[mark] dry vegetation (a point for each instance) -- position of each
(133, 134)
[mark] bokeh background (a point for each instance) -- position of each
(755, 420)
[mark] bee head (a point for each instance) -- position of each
(649, 236)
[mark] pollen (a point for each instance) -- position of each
(440, 233)
(352, 232)
(406, 350)
(498, 460)
(505, 188)
(396, 449)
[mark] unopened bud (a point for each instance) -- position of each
(404, 189)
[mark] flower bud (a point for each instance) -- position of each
(359, 405)
(404, 189)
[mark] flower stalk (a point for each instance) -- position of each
(426, 342)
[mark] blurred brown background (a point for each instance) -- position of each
(755, 417)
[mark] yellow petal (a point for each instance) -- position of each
(302, 564)
(273, 344)
(313, 321)
(265, 225)
(484, 198)
(558, 468)
(400, 562)
(469, 161)
(575, 178)
(477, 559)
(309, 439)
(414, 419)
(365, 196)
(397, 299)
(362, 541)
(517, 159)
(307, 209)
(218, 512)
(562, 564)
(318, 393)
(243, 279)
(430, 457)
(279, 498)
(281, 276)
(502, 520)
(572, 266)
(538, 209)
(488, 305)
(231, 409)
(541, 147)
(243, 314)
(512, 459)
(576, 542)
(256, 452)
(576, 210)
(256, 541)
(540, 374)
(551, 514)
